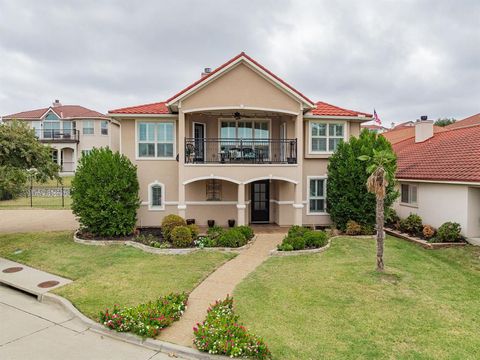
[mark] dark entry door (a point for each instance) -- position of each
(199, 135)
(260, 201)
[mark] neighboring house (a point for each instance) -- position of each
(404, 131)
(375, 128)
(439, 177)
(469, 121)
(240, 143)
(71, 131)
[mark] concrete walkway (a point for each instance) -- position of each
(33, 330)
(31, 220)
(218, 285)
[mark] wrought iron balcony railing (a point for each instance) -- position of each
(57, 135)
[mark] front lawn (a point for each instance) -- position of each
(108, 275)
(38, 202)
(334, 306)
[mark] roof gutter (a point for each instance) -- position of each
(355, 118)
(143, 115)
(449, 182)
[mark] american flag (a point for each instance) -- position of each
(376, 118)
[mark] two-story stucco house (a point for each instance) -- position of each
(240, 143)
(71, 131)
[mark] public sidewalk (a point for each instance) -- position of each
(218, 285)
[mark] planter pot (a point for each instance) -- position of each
(211, 223)
(190, 221)
(231, 223)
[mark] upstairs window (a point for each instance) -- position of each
(325, 136)
(156, 140)
(88, 127)
(317, 195)
(104, 127)
(409, 194)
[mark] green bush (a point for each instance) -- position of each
(391, 217)
(315, 239)
(194, 229)
(105, 194)
(449, 232)
(147, 319)
(215, 232)
(181, 237)
(170, 222)
(368, 229)
(285, 247)
(204, 241)
(412, 225)
(247, 231)
(296, 230)
(353, 228)
(348, 197)
(222, 333)
(297, 242)
(231, 238)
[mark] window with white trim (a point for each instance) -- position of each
(325, 136)
(409, 194)
(86, 152)
(104, 127)
(88, 127)
(156, 140)
(317, 195)
(156, 196)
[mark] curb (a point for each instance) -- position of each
(148, 343)
(276, 252)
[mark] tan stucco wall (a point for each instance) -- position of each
(88, 142)
(240, 87)
(473, 222)
(313, 167)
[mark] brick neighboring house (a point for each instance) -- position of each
(439, 176)
(239, 143)
(71, 130)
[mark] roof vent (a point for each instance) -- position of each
(56, 103)
(206, 71)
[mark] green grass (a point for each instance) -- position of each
(108, 275)
(334, 306)
(38, 202)
(66, 181)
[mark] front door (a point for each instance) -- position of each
(199, 135)
(260, 201)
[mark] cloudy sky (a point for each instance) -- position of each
(405, 58)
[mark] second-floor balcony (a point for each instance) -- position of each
(54, 135)
(240, 151)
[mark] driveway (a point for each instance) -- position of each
(32, 220)
(33, 330)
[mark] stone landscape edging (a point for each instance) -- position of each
(423, 243)
(148, 343)
(154, 250)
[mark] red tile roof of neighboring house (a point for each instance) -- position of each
(321, 108)
(398, 134)
(373, 127)
(63, 111)
(452, 155)
(469, 121)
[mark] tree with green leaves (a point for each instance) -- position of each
(444, 121)
(380, 176)
(22, 157)
(348, 198)
(105, 193)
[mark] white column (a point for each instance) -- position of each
(241, 205)
(182, 207)
(298, 205)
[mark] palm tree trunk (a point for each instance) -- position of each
(380, 233)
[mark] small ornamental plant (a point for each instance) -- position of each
(221, 333)
(147, 319)
(301, 238)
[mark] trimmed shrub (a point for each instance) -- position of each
(297, 242)
(348, 196)
(353, 228)
(449, 232)
(428, 232)
(222, 333)
(247, 231)
(204, 241)
(105, 194)
(181, 237)
(296, 230)
(194, 229)
(170, 222)
(315, 239)
(412, 225)
(147, 319)
(215, 232)
(368, 229)
(285, 247)
(391, 217)
(231, 238)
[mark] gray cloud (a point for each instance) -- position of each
(405, 58)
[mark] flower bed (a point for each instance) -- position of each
(302, 238)
(147, 319)
(218, 237)
(424, 243)
(221, 333)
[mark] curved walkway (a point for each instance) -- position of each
(218, 285)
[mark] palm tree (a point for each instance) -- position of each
(380, 176)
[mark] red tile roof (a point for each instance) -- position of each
(452, 155)
(469, 121)
(398, 134)
(63, 111)
(155, 108)
(322, 108)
